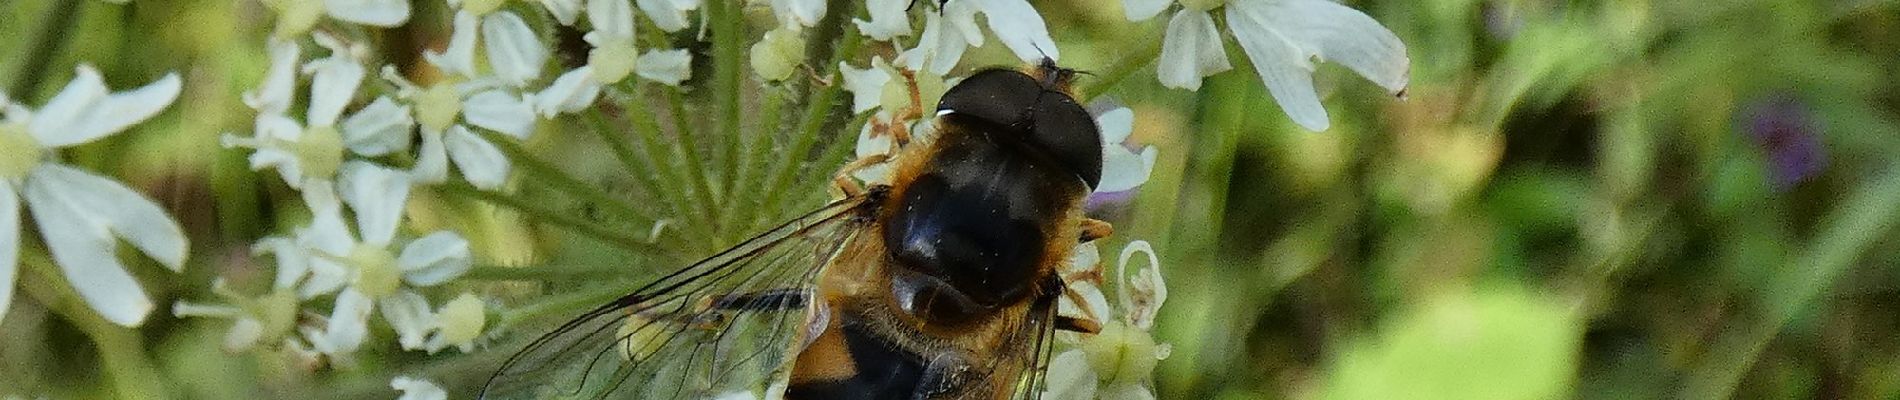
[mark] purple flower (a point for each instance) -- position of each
(1782, 128)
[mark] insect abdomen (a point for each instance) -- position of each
(884, 371)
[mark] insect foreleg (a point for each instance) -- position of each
(1093, 229)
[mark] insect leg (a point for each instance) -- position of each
(900, 128)
(771, 299)
(1079, 325)
(848, 185)
(1093, 229)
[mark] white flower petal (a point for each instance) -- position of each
(889, 19)
(500, 111)
(1071, 377)
(118, 209)
(434, 259)
(1334, 32)
(1191, 50)
(280, 81)
(383, 13)
(573, 91)
(349, 324)
(417, 389)
(1116, 125)
(612, 19)
(332, 84)
(514, 52)
(9, 243)
(1123, 170)
(961, 16)
(940, 47)
(565, 11)
(381, 128)
(377, 195)
(432, 161)
(806, 12)
(83, 248)
(328, 237)
(410, 315)
(665, 66)
(482, 164)
(293, 263)
(669, 15)
(83, 111)
(1020, 28)
(1143, 294)
(1142, 10)
(459, 57)
(1284, 37)
(1287, 73)
(866, 85)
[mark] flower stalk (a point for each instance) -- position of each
(121, 350)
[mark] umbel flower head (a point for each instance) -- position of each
(1284, 39)
(1117, 363)
(83, 216)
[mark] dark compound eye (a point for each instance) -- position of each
(1052, 122)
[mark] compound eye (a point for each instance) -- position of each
(998, 96)
(1067, 132)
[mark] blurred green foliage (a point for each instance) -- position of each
(1605, 199)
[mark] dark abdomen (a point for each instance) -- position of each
(884, 371)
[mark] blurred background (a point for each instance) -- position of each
(1615, 199)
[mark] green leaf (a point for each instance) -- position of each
(1500, 342)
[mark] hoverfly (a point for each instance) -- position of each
(938, 285)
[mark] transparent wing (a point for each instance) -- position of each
(723, 324)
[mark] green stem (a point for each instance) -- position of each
(688, 145)
(818, 110)
(543, 273)
(549, 215)
(560, 180)
(728, 33)
(755, 155)
(1142, 56)
(52, 37)
(673, 187)
(121, 349)
(622, 148)
(569, 303)
(1846, 233)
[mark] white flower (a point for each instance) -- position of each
(665, 66)
(515, 54)
(669, 15)
(256, 319)
(1118, 362)
(296, 17)
(1122, 169)
(364, 270)
(613, 55)
(1284, 39)
(889, 19)
(798, 13)
(417, 389)
(866, 85)
(948, 32)
(444, 140)
(82, 216)
(315, 148)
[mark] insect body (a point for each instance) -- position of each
(938, 285)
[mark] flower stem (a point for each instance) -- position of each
(120, 349)
(543, 273)
(549, 215)
(688, 145)
(728, 31)
(563, 304)
(819, 109)
(671, 182)
(560, 180)
(622, 148)
(53, 36)
(1143, 55)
